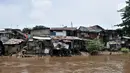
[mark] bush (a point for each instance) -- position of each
(125, 50)
(94, 46)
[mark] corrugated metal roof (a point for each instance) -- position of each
(95, 28)
(66, 38)
(41, 38)
(64, 28)
(14, 41)
(125, 37)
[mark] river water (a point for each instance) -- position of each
(75, 64)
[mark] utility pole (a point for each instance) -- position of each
(62, 25)
(71, 24)
(17, 26)
(11, 25)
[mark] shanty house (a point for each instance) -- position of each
(5, 36)
(112, 39)
(111, 35)
(90, 32)
(14, 33)
(75, 44)
(126, 41)
(64, 31)
(13, 46)
(40, 32)
(40, 45)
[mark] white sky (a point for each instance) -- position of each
(55, 13)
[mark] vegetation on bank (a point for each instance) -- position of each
(94, 46)
(125, 50)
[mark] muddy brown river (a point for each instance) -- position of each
(76, 64)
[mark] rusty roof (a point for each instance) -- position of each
(66, 38)
(95, 28)
(64, 28)
(13, 41)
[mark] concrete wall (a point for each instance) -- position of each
(60, 33)
(40, 32)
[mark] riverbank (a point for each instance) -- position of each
(82, 54)
(103, 53)
(110, 53)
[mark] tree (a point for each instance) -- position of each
(125, 19)
(94, 46)
(39, 27)
(26, 30)
(120, 32)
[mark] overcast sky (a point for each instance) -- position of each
(56, 13)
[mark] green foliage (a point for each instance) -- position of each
(119, 31)
(125, 50)
(26, 30)
(126, 19)
(94, 45)
(39, 27)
